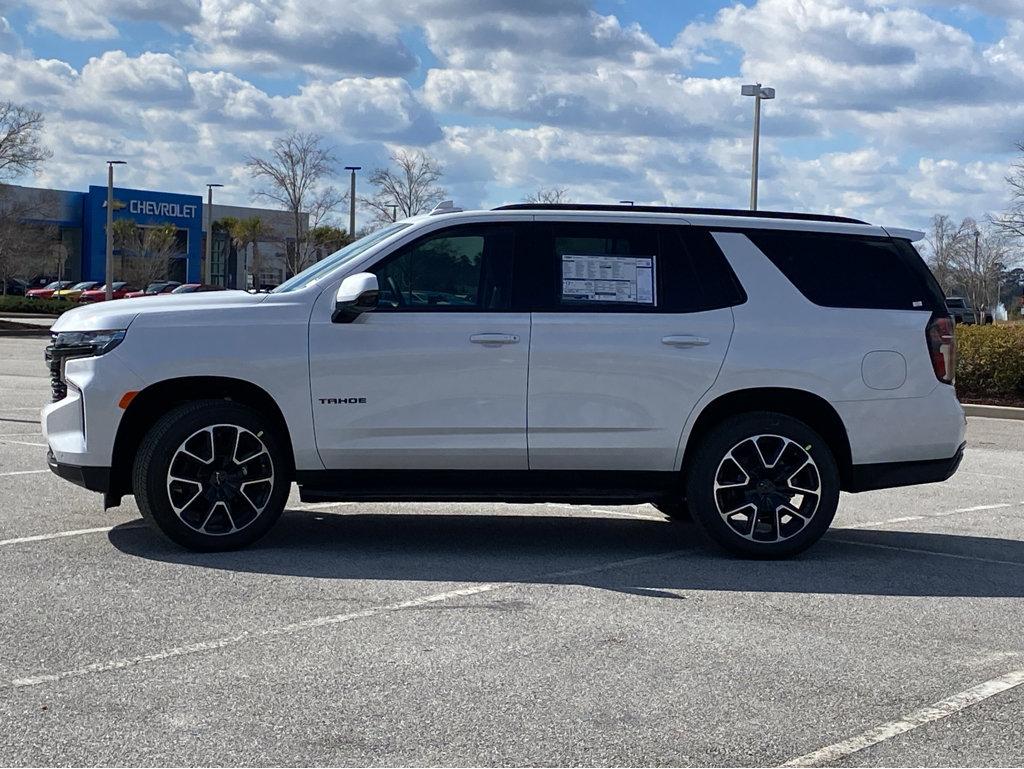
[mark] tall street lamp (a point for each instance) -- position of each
(208, 267)
(108, 270)
(352, 202)
(394, 211)
(758, 93)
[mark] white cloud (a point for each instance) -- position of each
(95, 19)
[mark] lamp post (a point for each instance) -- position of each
(352, 202)
(208, 267)
(758, 93)
(108, 270)
(394, 211)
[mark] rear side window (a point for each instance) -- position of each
(852, 271)
(610, 267)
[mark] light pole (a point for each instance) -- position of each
(208, 267)
(108, 270)
(394, 211)
(352, 202)
(758, 93)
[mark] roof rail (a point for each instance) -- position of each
(678, 210)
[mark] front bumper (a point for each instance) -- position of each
(91, 478)
(886, 475)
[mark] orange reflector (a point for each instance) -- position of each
(127, 398)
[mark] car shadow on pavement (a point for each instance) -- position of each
(541, 548)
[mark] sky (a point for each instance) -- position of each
(888, 110)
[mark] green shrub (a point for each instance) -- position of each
(991, 361)
(17, 304)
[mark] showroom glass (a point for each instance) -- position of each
(464, 268)
(338, 258)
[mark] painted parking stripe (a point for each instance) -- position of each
(4, 439)
(922, 551)
(23, 472)
(934, 712)
(979, 508)
(310, 624)
(62, 534)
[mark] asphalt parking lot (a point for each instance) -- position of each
(470, 634)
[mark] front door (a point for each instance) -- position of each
(435, 377)
(633, 331)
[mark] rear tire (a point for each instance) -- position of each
(763, 485)
(212, 475)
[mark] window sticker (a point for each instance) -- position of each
(606, 278)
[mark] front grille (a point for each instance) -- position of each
(55, 356)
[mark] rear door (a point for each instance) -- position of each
(632, 327)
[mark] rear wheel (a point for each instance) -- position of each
(212, 475)
(763, 485)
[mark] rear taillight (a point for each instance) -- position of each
(942, 347)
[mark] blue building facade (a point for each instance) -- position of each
(145, 208)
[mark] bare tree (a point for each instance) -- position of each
(145, 251)
(21, 144)
(294, 176)
(1011, 221)
(976, 263)
(410, 187)
(944, 239)
(26, 249)
(549, 195)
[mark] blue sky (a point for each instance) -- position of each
(892, 110)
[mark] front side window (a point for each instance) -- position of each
(457, 269)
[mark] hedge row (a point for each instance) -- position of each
(991, 362)
(19, 304)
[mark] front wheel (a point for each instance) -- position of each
(763, 485)
(212, 475)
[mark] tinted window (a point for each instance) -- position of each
(687, 270)
(852, 271)
(697, 275)
(462, 268)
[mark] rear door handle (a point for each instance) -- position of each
(494, 338)
(685, 340)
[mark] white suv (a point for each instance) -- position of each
(738, 368)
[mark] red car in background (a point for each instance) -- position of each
(47, 291)
(191, 288)
(120, 290)
(159, 287)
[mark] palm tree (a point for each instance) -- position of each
(246, 232)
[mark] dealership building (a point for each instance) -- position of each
(78, 223)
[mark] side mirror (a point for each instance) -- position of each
(356, 294)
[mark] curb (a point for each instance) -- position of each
(15, 332)
(35, 315)
(998, 412)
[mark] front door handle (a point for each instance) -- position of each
(685, 340)
(494, 338)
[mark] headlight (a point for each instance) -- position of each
(88, 342)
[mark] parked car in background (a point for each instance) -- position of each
(40, 281)
(46, 292)
(962, 312)
(14, 287)
(71, 293)
(157, 287)
(192, 288)
(120, 289)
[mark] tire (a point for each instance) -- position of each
(746, 496)
(676, 509)
(204, 504)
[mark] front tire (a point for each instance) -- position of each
(763, 485)
(212, 475)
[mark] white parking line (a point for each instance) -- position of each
(934, 712)
(62, 534)
(310, 624)
(922, 551)
(980, 507)
(4, 439)
(23, 472)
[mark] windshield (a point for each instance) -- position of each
(338, 258)
(85, 284)
(154, 288)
